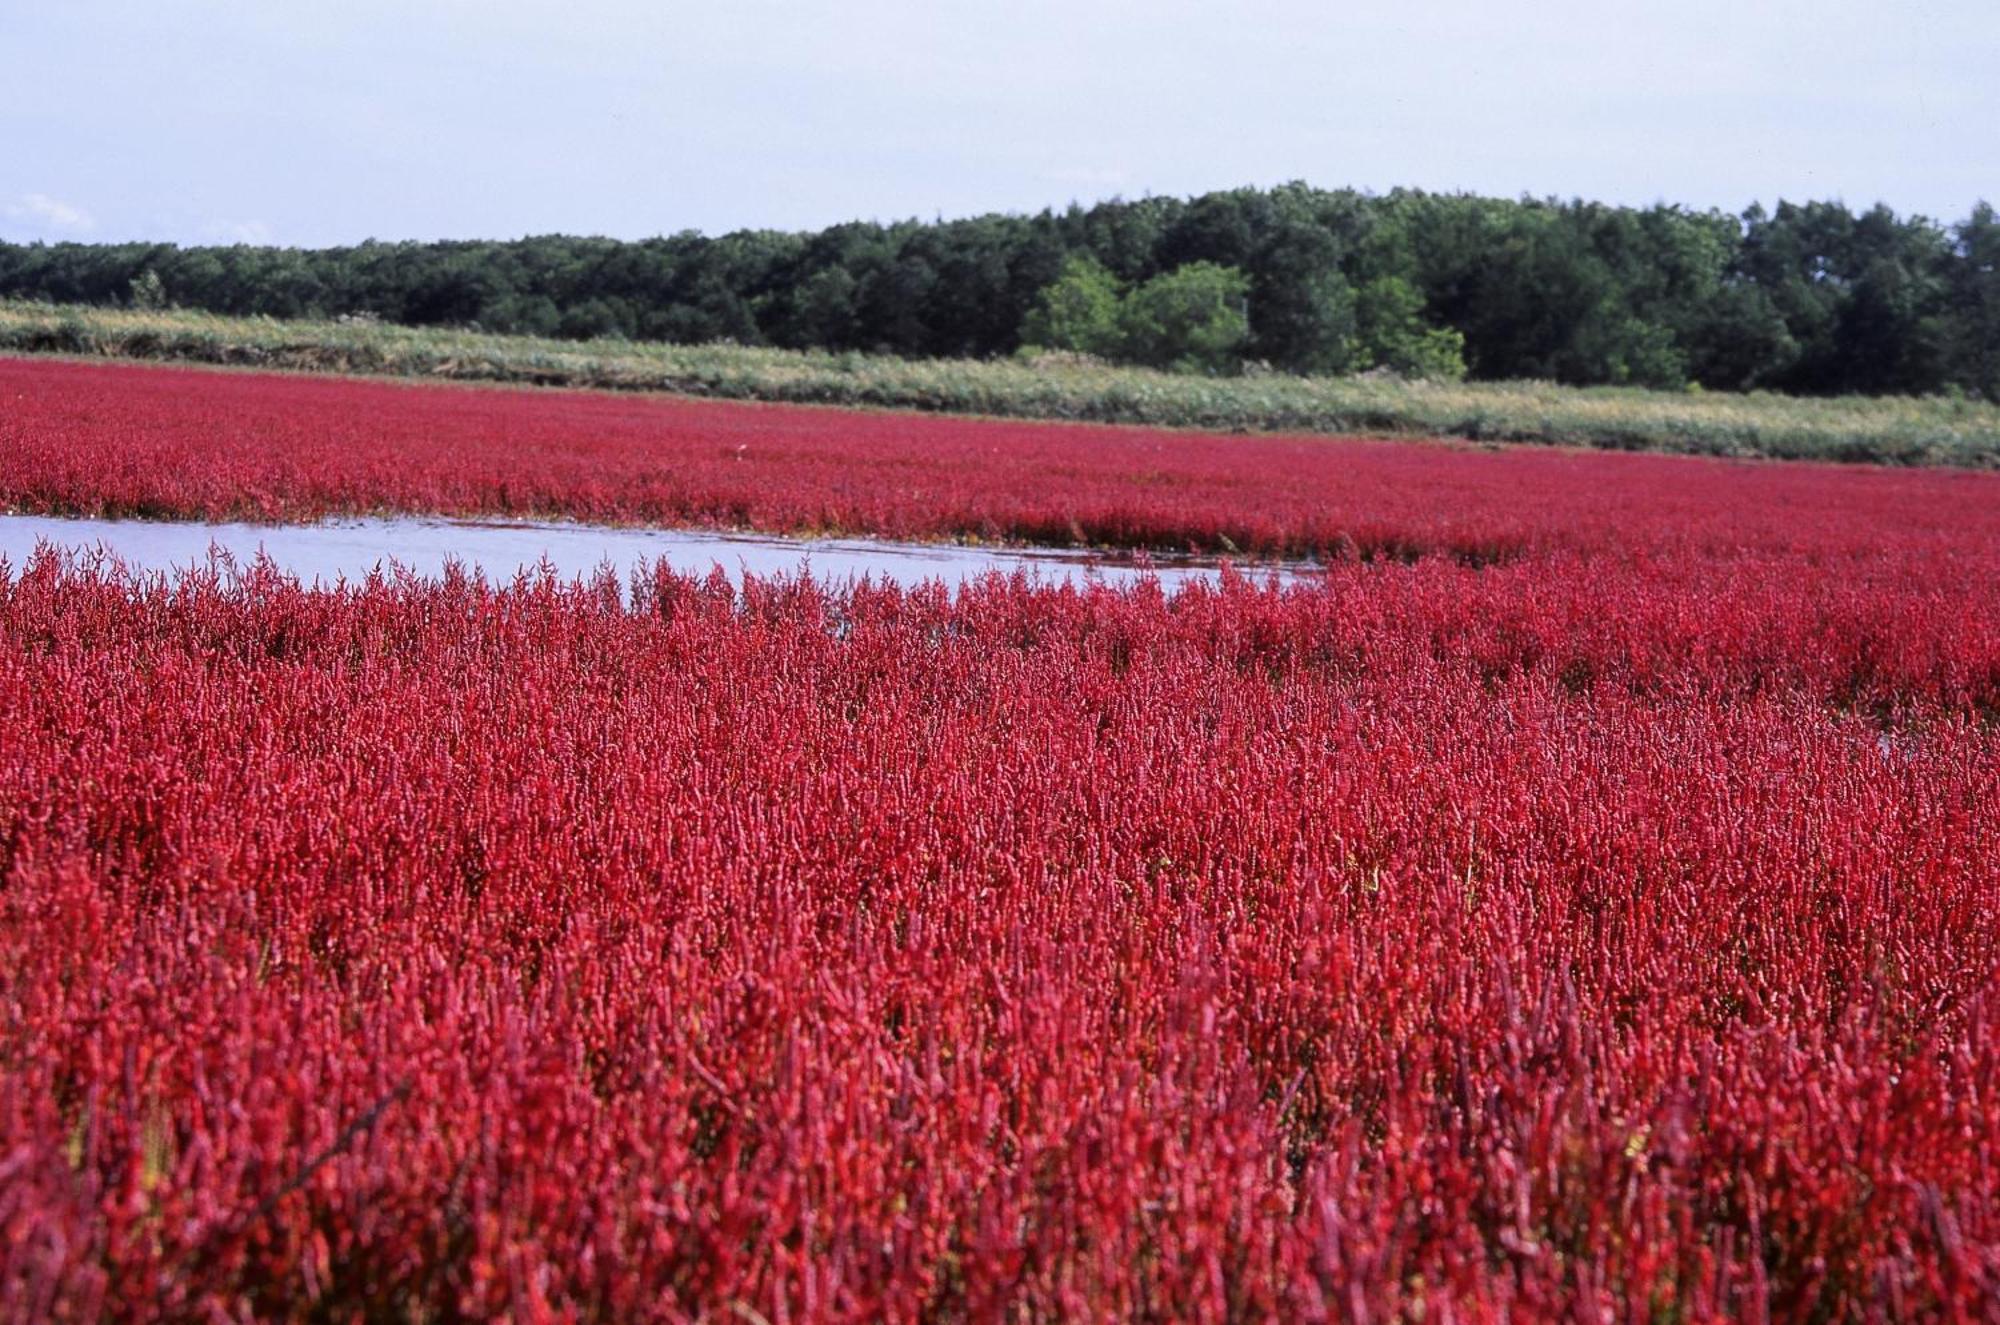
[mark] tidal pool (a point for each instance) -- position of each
(337, 550)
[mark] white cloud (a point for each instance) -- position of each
(42, 212)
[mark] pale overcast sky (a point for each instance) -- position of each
(328, 121)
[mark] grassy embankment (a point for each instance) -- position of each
(1858, 429)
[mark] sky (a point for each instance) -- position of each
(308, 122)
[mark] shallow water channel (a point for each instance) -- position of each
(349, 550)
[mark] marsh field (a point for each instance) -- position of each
(1575, 894)
(1945, 430)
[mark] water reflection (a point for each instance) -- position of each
(351, 549)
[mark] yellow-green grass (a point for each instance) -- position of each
(1892, 430)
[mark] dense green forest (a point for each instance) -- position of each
(1811, 299)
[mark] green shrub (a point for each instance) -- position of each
(149, 292)
(1078, 312)
(1192, 319)
(1391, 333)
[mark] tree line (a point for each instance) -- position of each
(1810, 298)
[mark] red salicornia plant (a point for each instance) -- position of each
(1607, 930)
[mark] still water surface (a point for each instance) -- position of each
(350, 549)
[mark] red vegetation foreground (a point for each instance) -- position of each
(118, 439)
(1492, 943)
(1610, 935)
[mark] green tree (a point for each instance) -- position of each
(1301, 306)
(1079, 311)
(1192, 319)
(1975, 303)
(1810, 298)
(1219, 228)
(1390, 332)
(1615, 346)
(1740, 342)
(825, 309)
(148, 290)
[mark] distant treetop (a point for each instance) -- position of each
(1810, 298)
